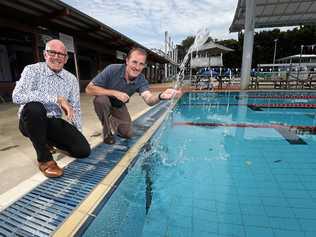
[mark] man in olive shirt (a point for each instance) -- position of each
(112, 89)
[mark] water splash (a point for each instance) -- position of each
(201, 37)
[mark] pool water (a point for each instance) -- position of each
(222, 164)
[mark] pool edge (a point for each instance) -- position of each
(73, 223)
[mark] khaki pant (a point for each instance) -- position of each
(116, 119)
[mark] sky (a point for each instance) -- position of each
(145, 21)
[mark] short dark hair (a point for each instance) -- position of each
(141, 50)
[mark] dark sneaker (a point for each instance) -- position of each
(109, 140)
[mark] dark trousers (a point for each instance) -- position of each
(57, 132)
(111, 117)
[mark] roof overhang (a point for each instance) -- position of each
(276, 13)
(213, 48)
(54, 14)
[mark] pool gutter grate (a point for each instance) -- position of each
(43, 209)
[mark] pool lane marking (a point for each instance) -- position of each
(288, 132)
(290, 136)
(289, 106)
(278, 97)
(73, 223)
(246, 125)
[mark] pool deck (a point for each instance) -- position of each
(19, 172)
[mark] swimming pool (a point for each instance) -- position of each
(222, 164)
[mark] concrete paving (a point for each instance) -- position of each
(18, 169)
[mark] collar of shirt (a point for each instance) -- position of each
(50, 72)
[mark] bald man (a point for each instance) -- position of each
(44, 92)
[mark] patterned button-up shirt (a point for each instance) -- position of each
(39, 83)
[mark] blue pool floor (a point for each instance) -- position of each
(223, 184)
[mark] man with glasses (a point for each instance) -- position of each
(112, 89)
(44, 91)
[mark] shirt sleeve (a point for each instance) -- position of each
(101, 78)
(26, 89)
(143, 85)
(74, 100)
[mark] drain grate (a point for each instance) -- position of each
(42, 210)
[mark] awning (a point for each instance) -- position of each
(276, 13)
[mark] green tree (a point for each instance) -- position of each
(187, 42)
(288, 43)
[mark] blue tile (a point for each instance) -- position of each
(310, 186)
(183, 200)
(204, 214)
(282, 171)
(181, 210)
(287, 178)
(229, 218)
(285, 223)
(288, 233)
(203, 234)
(302, 202)
(156, 225)
(205, 204)
(180, 221)
(291, 186)
(248, 192)
(310, 233)
(227, 207)
(231, 230)
(272, 192)
(267, 185)
(305, 213)
(296, 194)
(307, 178)
(149, 233)
(274, 211)
(257, 210)
(259, 221)
(250, 200)
(312, 193)
(205, 225)
(272, 201)
(258, 232)
(178, 231)
(308, 225)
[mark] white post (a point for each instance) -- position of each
(191, 67)
(274, 54)
(248, 43)
(166, 54)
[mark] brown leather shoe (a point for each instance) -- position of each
(50, 169)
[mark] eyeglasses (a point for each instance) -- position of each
(53, 53)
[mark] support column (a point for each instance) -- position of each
(166, 54)
(76, 62)
(248, 43)
(35, 45)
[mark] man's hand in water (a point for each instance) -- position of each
(169, 94)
